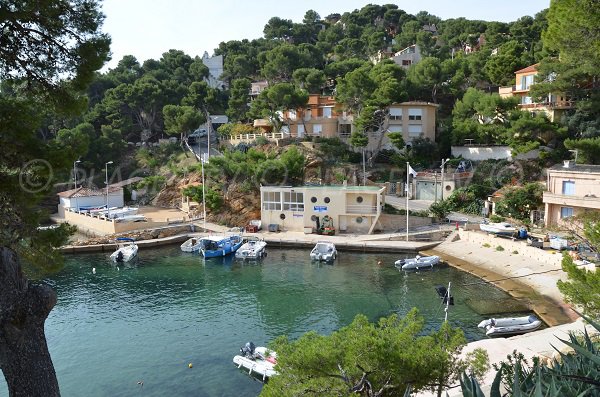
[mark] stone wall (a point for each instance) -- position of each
(389, 223)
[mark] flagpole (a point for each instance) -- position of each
(407, 187)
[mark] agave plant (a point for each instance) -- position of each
(572, 374)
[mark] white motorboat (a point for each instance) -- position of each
(259, 361)
(126, 251)
(192, 245)
(130, 218)
(501, 228)
(510, 325)
(323, 251)
(418, 262)
(252, 249)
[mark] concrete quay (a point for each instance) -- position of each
(393, 242)
(527, 273)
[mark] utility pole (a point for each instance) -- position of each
(407, 185)
(202, 161)
(106, 171)
(435, 184)
(443, 172)
(364, 168)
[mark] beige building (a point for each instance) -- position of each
(322, 117)
(553, 106)
(572, 190)
(354, 209)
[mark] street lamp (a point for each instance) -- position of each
(106, 171)
(443, 173)
(75, 177)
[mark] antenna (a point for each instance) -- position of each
(447, 302)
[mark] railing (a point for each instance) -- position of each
(361, 209)
(575, 201)
(251, 137)
(550, 105)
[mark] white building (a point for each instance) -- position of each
(84, 197)
(215, 70)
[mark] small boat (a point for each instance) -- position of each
(252, 249)
(258, 360)
(116, 213)
(214, 246)
(126, 251)
(418, 262)
(192, 245)
(130, 218)
(510, 325)
(323, 251)
(502, 228)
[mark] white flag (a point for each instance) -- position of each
(411, 171)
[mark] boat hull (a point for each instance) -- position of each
(417, 263)
(228, 247)
(191, 245)
(253, 250)
(510, 325)
(499, 229)
(263, 368)
(128, 253)
(324, 251)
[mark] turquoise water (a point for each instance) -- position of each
(146, 322)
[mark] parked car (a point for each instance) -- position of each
(195, 136)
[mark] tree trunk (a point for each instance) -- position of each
(24, 356)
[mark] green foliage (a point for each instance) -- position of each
(181, 119)
(440, 209)
(392, 354)
(588, 149)
(214, 200)
(153, 182)
(581, 288)
(465, 200)
(499, 248)
(273, 100)
(486, 245)
(519, 201)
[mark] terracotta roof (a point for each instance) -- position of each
(528, 69)
(87, 192)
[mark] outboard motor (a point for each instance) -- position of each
(248, 350)
(120, 256)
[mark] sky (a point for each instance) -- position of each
(147, 29)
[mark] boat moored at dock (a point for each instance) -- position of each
(220, 245)
(252, 249)
(418, 262)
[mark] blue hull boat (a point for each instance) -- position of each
(215, 246)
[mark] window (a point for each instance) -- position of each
(345, 130)
(359, 199)
(327, 112)
(313, 199)
(359, 219)
(526, 100)
(395, 128)
(292, 114)
(415, 114)
(395, 114)
(327, 200)
(568, 188)
(293, 201)
(272, 201)
(317, 128)
(526, 82)
(566, 212)
(415, 130)
(406, 62)
(300, 130)
(307, 114)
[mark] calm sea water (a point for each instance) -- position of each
(146, 322)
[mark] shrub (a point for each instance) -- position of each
(515, 252)
(499, 248)
(486, 245)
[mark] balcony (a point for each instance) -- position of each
(361, 209)
(591, 202)
(548, 105)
